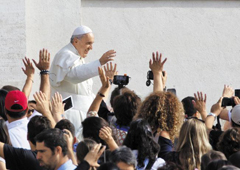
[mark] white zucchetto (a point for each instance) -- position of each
(81, 30)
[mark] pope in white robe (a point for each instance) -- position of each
(71, 76)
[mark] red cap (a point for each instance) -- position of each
(16, 97)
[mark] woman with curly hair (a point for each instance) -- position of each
(165, 114)
(229, 142)
(141, 141)
(192, 144)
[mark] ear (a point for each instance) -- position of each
(58, 150)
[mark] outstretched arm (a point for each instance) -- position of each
(156, 65)
(29, 71)
(43, 65)
(216, 109)
(42, 106)
(106, 85)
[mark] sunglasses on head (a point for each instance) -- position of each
(192, 117)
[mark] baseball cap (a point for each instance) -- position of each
(236, 114)
(16, 97)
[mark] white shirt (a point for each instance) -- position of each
(157, 164)
(70, 76)
(18, 133)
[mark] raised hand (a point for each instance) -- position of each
(110, 71)
(227, 91)
(108, 56)
(156, 64)
(44, 60)
(29, 69)
(57, 107)
(104, 79)
(94, 154)
(105, 134)
(42, 104)
(200, 104)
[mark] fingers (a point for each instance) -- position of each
(236, 100)
(34, 62)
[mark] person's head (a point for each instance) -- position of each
(91, 127)
(229, 142)
(235, 116)
(188, 107)
(4, 135)
(123, 158)
(192, 143)
(66, 124)
(125, 107)
(37, 125)
(117, 91)
(3, 94)
(82, 39)
(211, 156)
(217, 164)
(139, 137)
(108, 166)
(163, 111)
(31, 107)
(84, 147)
(9, 88)
(16, 105)
(51, 147)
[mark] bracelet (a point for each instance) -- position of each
(44, 72)
(100, 94)
(212, 114)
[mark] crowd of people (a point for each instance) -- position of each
(159, 132)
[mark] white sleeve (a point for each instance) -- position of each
(83, 72)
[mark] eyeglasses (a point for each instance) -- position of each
(192, 117)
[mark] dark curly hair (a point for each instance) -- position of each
(125, 107)
(140, 138)
(229, 142)
(163, 111)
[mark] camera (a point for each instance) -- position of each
(230, 101)
(150, 77)
(121, 80)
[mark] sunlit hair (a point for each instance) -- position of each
(163, 111)
(192, 144)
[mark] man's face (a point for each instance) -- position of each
(84, 45)
(45, 156)
(124, 166)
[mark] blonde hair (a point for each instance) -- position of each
(192, 144)
(163, 111)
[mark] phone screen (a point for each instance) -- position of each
(237, 93)
(68, 103)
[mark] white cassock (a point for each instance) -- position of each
(70, 76)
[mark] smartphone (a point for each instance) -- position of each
(173, 90)
(68, 103)
(228, 102)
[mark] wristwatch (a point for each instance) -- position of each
(212, 114)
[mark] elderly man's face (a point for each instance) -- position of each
(45, 156)
(84, 45)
